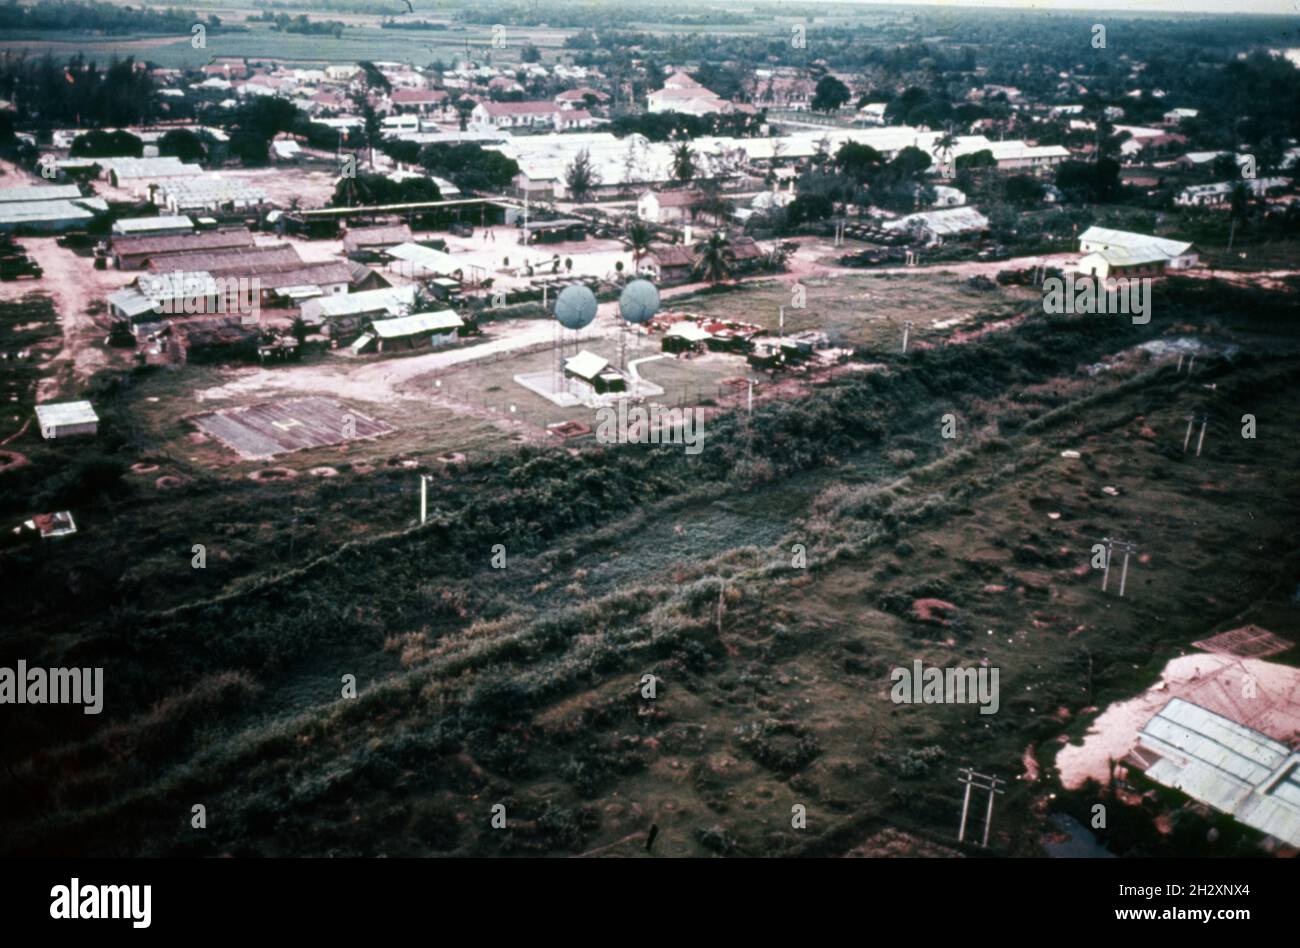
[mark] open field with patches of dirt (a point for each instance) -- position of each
(521, 684)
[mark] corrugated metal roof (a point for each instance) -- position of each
(1132, 241)
(416, 323)
(391, 299)
(135, 225)
(39, 192)
(168, 166)
(1227, 765)
(1123, 257)
(31, 212)
(425, 257)
(58, 414)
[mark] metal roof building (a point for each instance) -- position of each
(61, 419)
(39, 192)
(439, 321)
(148, 226)
(414, 258)
(208, 193)
(393, 300)
(1233, 768)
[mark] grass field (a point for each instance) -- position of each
(521, 685)
(866, 311)
(420, 47)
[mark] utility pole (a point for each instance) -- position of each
(424, 497)
(907, 328)
(1128, 548)
(983, 782)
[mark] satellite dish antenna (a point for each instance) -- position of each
(639, 302)
(575, 307)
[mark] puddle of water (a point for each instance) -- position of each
(1079, 842)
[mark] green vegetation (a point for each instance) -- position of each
(521, 684)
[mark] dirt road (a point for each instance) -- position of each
(74, 286)
(377, 381)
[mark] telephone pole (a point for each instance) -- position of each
(982, 782)
(1128, 548)
(907, 328)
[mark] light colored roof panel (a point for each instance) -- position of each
(426, 257)
(58, 414)
(416, 323)
(1130, 240)
(32, 212)
(39, 192)
(1227, 765)
(136, 225)
(585, 364)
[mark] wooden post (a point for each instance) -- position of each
(965, 805)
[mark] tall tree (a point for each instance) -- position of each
(715, 258)
(683, 163)
(829, 95)
(639, 237)
(580, 176)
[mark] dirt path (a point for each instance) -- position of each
(67, 281)
(391, 378)
(73, 285)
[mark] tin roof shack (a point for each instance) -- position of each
(134, 253)
(554, 232)
(364, 244)
(685, 337)
(343, 316)
(417, 331)
(153, 226)
(589, 369)
(669, 263)
(1233, 768)
(66, 419)
(362, 278)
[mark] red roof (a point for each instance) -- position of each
(577, 95)
(418, 96)
(518, 108)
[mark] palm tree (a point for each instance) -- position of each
(638, 237)
(714, 258)
(683, 163)
(944, 146)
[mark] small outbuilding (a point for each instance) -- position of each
(66, 419)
